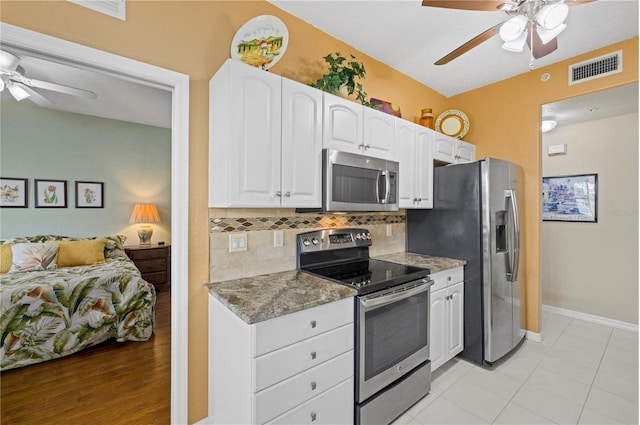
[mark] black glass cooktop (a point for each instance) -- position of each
(370, 275)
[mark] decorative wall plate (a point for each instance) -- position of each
(260, 42)
(453, 123)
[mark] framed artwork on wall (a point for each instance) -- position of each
(89, 194)
(570, 198)
(14, 192)
(51, 193)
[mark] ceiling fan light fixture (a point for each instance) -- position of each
(17, 92)
(516, 45)
(548, 35)
(8, 61)
(552, 16)
(513, 29)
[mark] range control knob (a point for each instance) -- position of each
(306, 242)
(358, 236)
(368, 236)
(315, 241)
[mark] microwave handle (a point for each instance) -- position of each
(380, 174)
(387, 186)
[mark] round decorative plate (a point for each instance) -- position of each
(453, 123)
(260, 42)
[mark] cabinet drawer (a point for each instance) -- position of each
(281, 364)
(332, 407)
(151, 266)
(447, 277)
(143, 254)
(276, 333)
(281, 397)
(155, 278)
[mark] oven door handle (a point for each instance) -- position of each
(394, 295)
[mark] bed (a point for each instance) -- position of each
(71, 302)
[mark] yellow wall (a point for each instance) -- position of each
(504, 122)
(194, 38)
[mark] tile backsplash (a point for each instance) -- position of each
(261, 257)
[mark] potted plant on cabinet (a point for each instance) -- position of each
(341, 77)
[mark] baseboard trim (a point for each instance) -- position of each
(618, 324)
(533, 336)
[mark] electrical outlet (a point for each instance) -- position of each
(237, 242)
(278, 238)
(389, 230)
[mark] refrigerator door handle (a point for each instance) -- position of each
(515, 257)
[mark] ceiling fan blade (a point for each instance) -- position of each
(539, 49)
(36, 97)
(577, 2)
(59, 88)
(486, 5)
(475, 41)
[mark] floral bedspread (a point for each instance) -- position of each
(51, 314)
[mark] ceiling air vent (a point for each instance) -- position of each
(595, 68)
(115, 8)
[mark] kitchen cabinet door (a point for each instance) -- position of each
(379, 134)
(452, 151)
(244, 137)
(437, 328)
(465, 152)
(342, 124)
(405, 136)
(455, 317)
(424, 167)
(301, 145)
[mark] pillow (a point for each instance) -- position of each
(33, 256)
(80, 253)
(5, 258)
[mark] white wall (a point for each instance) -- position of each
(593, 267)
(133, 161)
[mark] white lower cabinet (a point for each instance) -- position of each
(446, 330)
(290, 369)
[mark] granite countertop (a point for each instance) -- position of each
(435, 264)
(264, 297)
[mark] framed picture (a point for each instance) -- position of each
(570, 198)
(51, 193)
(89, 194)
(13, 192)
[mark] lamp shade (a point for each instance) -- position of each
(145, 213)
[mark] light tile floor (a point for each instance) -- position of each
(582, 373)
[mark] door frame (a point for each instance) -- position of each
(178, 85)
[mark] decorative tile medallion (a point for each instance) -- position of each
(301, 222)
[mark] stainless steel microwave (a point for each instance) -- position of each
(353, 182)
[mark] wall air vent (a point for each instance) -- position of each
(595, 68)
(115, 8)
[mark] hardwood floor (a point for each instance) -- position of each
(111, 383)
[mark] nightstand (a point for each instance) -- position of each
(154, 262)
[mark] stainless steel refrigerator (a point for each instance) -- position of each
(477, 216)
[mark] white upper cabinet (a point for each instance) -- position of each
(264, 140)
(414, 147)
(453, 151)
(379, 134)
(301, 145)
(351, 127)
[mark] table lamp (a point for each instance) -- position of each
(145, 214)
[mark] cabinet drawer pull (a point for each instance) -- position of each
(449, 278)
(313, 355)
(313, 324)
(313, 416)
(313, 385)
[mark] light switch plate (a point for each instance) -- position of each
(278, 238)
(389, 230)
(237, 242)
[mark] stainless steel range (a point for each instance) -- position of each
(392, 370)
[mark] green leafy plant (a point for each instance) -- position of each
(343, 72)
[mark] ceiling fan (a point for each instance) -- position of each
(12, 77)
(534, 22)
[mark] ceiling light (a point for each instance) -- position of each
(2, 84)
(552, 15)
(548, 35)
(548, 125)
(516, 45)
(513, 28)
(17, 92)
(8, 61)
